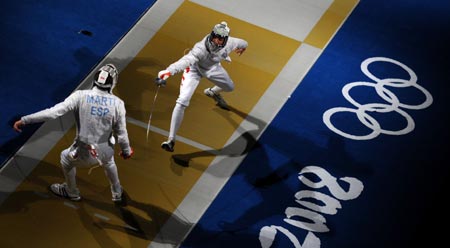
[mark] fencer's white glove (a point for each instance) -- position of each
(164, 74)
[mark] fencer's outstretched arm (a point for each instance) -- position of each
(195, 54)
(203, 57)
(54, 112)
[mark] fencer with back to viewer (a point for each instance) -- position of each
(100, 116)
(203, 60)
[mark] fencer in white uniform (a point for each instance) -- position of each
(100, 117)
(203, 60)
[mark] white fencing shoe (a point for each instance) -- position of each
(62, 190)
(117, 197)
(217, 97)
(168, 145)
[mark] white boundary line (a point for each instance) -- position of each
(166, 133)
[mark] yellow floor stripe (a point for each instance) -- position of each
(331, 20)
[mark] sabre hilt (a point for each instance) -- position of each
(160, 82)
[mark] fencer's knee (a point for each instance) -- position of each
(182, 104)
(66, 160)
(110, 165)
(227, 87)
(230, 88)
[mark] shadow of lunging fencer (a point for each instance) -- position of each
(240, 146)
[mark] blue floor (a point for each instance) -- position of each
(402, 201)
(404, 176)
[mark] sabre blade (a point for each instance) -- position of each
(151, 110)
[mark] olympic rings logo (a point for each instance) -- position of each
(362, 110)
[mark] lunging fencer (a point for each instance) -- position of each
(100, 117)
(203, 60)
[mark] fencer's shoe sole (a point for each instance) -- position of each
(218, 98)
(61, 191)
(117, 197)
(120, 199)
(168, 146)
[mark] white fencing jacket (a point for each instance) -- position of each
(204, 60)
(98, 115)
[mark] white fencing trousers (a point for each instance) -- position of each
(85, 159)
(189, 83)
(191, 78)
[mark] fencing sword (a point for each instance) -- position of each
(159, 82)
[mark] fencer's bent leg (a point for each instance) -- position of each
(113, 176)
(68, 164)
(220, 78)
(106, 153)
(222, 82)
